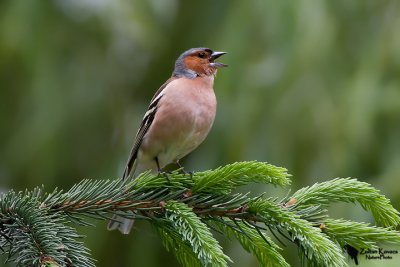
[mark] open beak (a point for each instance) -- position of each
(213, 57)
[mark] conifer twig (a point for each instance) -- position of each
(35, 227)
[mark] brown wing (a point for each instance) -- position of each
(144, 127)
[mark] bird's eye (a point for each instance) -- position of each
(202, 55)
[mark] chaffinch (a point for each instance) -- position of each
(178, 119)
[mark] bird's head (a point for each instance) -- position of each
(198, 62)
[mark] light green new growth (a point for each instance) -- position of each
(174, 243)
(35, 226)
(224, 179)
(196, 233)
(266, 251)
(350, 190)
(359, 235)
(317, 247)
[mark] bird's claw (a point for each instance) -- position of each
(165, 174)
(188, 172)
(183, 171)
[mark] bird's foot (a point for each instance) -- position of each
(165, 174)
(183, 171)
(161, 172)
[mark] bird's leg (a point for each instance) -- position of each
(182, 169)
(160, 171)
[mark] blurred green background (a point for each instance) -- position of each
(313, 86)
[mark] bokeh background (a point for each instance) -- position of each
(313, 86)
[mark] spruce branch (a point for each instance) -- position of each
(195, 232)
(33, 236)
(36, 227)
(316, 246)
(260, 245)
(349, 190)
(225, 179)
(173, 242)
(359, 235)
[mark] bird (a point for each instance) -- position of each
(178, 119)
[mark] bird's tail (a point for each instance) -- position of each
(123, 225)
